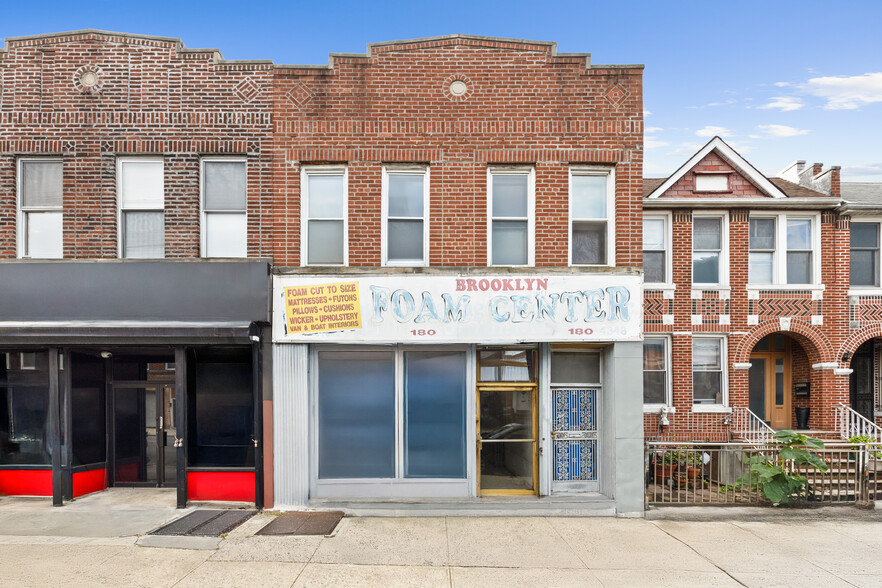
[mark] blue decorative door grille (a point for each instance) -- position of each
(574, 434)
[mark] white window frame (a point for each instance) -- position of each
(610, 174)
(328, 170)
(669, 235)
(779, 258)
(724, 377)
(697, 175)
(530, 172)
(415, 170)
(120, 246)
(22, 211)
(204, 213)
(724, 250)
(866, 290)
(653, 407)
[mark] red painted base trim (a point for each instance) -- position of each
(88, 482)
(26, 482)
(236, 486)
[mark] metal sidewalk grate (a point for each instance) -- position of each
(303, 523)
(206, 523)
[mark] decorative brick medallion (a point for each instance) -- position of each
(615, 94)
(300, 94)
(88, 79)
(247, 90)
(457, 87)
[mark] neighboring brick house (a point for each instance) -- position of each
(748, 300)
(481, 197)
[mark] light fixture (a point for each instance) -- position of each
(846, 356)
(106, 354)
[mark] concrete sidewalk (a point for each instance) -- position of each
(830, 547)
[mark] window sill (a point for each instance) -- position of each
(865, 291)
(783, 287)
(716, 287)
(711, 408)
(659, 286)
(658, 409)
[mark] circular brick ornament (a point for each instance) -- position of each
(88, 79)
(457, 87)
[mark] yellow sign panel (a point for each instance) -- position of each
(322, 307)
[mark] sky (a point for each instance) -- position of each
(778, 80)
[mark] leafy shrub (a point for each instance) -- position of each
(777, 476)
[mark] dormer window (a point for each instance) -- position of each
(711, 182)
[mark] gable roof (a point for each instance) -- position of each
(733, 158)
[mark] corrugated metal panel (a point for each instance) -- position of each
(291, 425)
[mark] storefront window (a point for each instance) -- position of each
(24, 408)
(88, 410)
(376, 424)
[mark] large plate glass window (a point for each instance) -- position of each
(391, 414)
(864, 254)
(224, 195)
(511, 217)
(40, 189)
(24, 408)
(141, 198)
(590, 208)
(324, 216)
(405, 207)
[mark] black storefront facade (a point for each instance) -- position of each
(134, 373)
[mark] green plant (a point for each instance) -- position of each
(690, 458)
(777, 476)
(871, 443)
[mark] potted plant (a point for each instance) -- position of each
(875, 449)
(682, 466)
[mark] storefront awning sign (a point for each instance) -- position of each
(456, 309)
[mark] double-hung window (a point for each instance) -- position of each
(510, 222)
(324, 228)
(40, 208)
(709, 260)
(864, 254)
(708, 371)
(591, 223)
(141, 201)
(782, 250)
(224, 221)
(656, 250)
(405, 208)
(656, 389)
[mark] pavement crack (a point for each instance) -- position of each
(698, 553)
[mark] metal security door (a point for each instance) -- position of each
(574, 440)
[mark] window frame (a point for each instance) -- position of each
(653, 407)
(520, 170)
(322, 170)
(724, 375)
(779, 256)
(22, 212)
(705, 174)
(120, 210)
(723, 276)
(610, 174)
(204, 212)
(868, 220)
(666, 218)
(404, 169)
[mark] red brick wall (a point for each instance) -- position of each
(525, 105)
(154, 99)
(739, 186)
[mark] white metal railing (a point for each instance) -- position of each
(750, 427)
(850, 424)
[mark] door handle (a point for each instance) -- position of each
(253, 440)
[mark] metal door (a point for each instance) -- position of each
(574, 439)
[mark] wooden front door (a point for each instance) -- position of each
(770, 382)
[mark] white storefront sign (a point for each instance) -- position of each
(456, 308)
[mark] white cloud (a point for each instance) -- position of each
(685, 150)
(754, 136)
(741, 148)
(646, 113)
(782, 84)
(784, 103)
(781, 130)
(711, 131)
(847, 92)
(653, 129)
(653, 143)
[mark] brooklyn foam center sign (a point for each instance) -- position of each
(457, 309)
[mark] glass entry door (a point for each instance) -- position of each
(507, 440)
(769, 388)
(144, 434)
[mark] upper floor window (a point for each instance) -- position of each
(591, 225)
(711, 182)
(141, 202)
(40, 190)
(656, 250)
(510, 222)
(405, 207)
(224, 220)
(788, 260)
(709, 257)
(864, 254)
(324, 228)
(656, 390)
